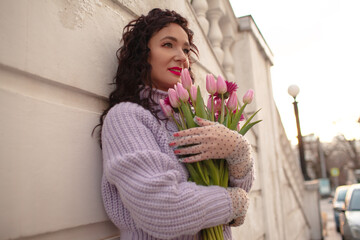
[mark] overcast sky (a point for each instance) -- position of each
(316, 45)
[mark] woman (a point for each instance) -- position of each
(145, 189)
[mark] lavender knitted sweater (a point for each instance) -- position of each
(145, 189)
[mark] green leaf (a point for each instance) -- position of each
(194, 174)
(248, 121)
(224, 173)
(185, 108)
(224, 181)
(237, 117)
(177, 123)
(221, 167)
(225, 122)
(200, 107)
(227, 118)
(222, 114)
(244, 130)
(213, 172)
(200, 167)
(206, 175)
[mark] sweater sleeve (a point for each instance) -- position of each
(148, 178)
(241, 165)
(246, 181)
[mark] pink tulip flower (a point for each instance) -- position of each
(182, 93)
(193, 92)
(208, 105)
(186, 79)
(217, 104)
(167, 101)
(174, 99)
(167, 109)
(248, 97)
(221, 85)
(210, 84)
(232, 102)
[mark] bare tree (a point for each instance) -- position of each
(342, 153)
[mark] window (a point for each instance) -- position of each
(355, 201)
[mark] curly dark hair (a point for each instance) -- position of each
(134, 71)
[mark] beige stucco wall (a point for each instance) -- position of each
(278, 206)
(56, 60)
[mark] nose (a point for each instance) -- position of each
(180, 56)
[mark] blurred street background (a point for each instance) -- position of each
(329, 232)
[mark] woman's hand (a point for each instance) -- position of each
(209, 141)
(214, 141)
(240, 204)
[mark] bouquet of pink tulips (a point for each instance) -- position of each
(223, 107)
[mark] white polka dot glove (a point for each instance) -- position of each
(240, 204)
(215, 141)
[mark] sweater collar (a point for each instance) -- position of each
(156, 94)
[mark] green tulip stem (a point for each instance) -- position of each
(177, 123)
(222, 109)
(182, 119)
(212, 108)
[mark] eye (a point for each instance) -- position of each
(186, 51)
(169, 45)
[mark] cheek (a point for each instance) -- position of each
(150, 59)
(154, 62)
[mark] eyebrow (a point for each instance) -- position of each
(174, 39)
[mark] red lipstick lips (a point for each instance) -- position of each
(175, 70)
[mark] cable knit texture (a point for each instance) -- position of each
(145, 189)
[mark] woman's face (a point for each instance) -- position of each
(169, 54)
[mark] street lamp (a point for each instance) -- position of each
(293, 91)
